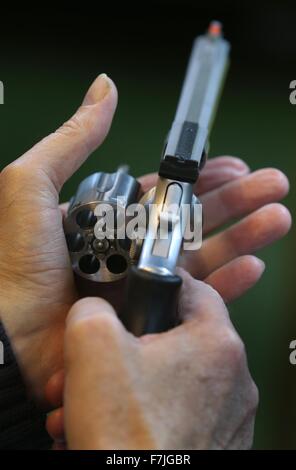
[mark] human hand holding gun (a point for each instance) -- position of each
(187, 388)
(101, 258)
(37, 288)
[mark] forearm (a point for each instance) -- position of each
(21, 422)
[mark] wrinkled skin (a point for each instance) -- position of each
(189, 388)
(36, 282)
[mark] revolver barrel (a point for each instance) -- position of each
(187, 143)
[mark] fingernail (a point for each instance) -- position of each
(243, 170)
(98, 90)
(261, 264)
(241, 167)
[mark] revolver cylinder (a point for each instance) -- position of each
(99, 259)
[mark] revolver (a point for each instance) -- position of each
(143, 262)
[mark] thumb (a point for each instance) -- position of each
(199, 301)
(94, 346)
(90, 322)
(61, 153)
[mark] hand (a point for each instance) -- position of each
(189, 388)
(36, 281)
(224, 259)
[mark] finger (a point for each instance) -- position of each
(148, 181)
(54, 389)
(93, 362)
(217, 171)
(261, 228)
(199, 300)
(61, 153)
(64, 208)
(235, 278)
(55, 424)
(242, 196)
(243, 438)
(226, 160)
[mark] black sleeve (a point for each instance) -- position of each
(22, 424)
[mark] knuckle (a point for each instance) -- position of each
(213, 292)
(108, 322)
(253, 397)
(72, 126)
(232, 348)
(100, 325)
(76, 127)
(79, 328)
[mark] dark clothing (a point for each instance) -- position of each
(22, 424)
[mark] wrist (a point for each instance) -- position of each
(35, 343)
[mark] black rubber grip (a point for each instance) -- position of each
(150, 304)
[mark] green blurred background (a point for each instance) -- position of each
(51, 54)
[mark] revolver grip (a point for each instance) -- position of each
(150, 304)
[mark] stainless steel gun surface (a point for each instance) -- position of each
(188, 138)
(99, 260)
(150, 263)
(186, 149)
